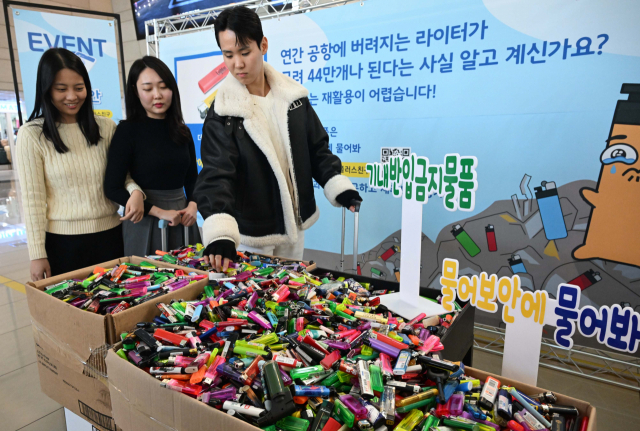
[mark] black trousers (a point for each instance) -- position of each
(70, 252)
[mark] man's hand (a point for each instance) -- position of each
(219, 253)
(40, 269)
(134, 210)
(345, 198)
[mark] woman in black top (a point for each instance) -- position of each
(156, 147)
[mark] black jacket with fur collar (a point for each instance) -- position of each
(242, 192)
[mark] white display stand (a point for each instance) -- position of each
(408, 302)
(76, 423)
(522, 342)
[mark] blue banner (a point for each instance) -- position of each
(93, 40)
(528, 88)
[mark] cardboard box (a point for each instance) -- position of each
(84, 392)
(71, 344)
(140, 404)
(81, 331)
(583, 407)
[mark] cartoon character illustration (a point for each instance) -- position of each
(613, 232)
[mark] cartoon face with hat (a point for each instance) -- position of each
(613, 232)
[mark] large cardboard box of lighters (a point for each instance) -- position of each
(586, 417)
(322, 362)
(71, 343)
(305, 342)
(140, 403)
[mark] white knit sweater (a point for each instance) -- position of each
(64, 193)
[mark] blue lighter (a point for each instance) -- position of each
(516, 264)
(272, 318)
(550, 211)
(311, 391)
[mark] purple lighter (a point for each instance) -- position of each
(384, 348)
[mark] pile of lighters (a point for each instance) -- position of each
(189, 256)
(282, 349)
(112, 290)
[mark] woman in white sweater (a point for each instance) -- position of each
(62, 157)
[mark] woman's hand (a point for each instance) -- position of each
(189, 214)
(40, 269)
(172, 216)
(134, 210)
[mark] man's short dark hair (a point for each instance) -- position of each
(241, 20)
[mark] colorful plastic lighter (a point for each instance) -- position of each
(388, 405)
(331, 359)
(216, 397)
(401, 364)
(253, 315)
(428, 403)
(170, 337)
(290, 423)
(432, 421)
(267, 339)
(417, 397)
(453, 407)
(385, 365)
(305, 373)
(388, 340)
(282, 404)
(484, 422)
(311, 391)
(212, 372)
(381, 347)
(377, 383)
(344, 413)
(527, 406)
(213, 77)
(460, 423)
(364, 378)
(252, 370)
(410, 420)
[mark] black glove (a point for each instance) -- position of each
(347, 196)
(222, 247)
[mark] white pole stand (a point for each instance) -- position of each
(408, 303)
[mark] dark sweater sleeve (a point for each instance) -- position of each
(119, 159)
(192, 172)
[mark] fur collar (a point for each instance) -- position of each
(233, 98)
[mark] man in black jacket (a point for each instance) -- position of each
(262, 146)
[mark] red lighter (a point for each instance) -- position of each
(491, 238)
(587, 279)
(390, 252)
(213, 77)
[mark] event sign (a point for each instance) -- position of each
(93, 40)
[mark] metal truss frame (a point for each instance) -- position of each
(201, 20)
(600, 365)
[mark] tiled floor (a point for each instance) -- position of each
(24, 407)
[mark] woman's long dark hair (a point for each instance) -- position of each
(52, 62)
(179, 132)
